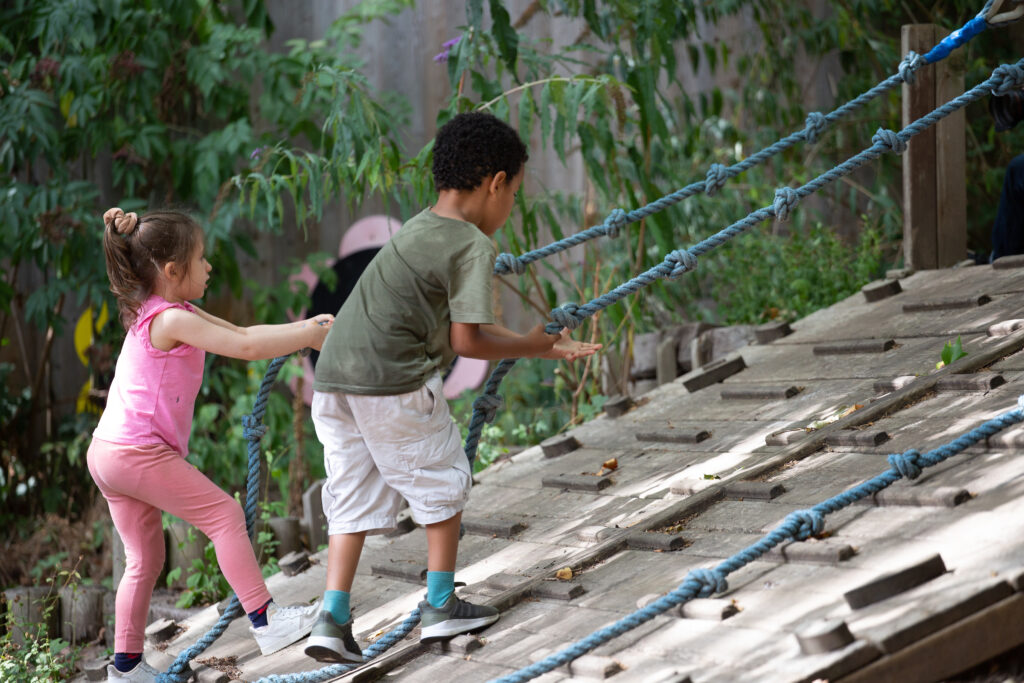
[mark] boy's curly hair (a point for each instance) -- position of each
(471, 147)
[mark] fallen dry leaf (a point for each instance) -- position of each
(612, 464)
(565, 573)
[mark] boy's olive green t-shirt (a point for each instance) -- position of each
(391, 333)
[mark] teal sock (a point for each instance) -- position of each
(336, 602)
(440, 586)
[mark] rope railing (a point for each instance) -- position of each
(799, 525)
(718, 175)
(1004, 79)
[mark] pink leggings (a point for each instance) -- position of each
(140, 481)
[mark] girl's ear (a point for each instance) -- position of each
(497, 181)
(170, 271)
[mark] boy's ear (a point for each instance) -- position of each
(497, 181)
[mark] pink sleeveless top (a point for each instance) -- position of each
(154, 392)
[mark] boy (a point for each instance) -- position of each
(378, 405)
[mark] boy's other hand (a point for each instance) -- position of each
(540, 341)
(569, 349)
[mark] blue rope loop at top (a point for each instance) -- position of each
(956, 39)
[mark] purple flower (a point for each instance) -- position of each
(257, 153)
(447, 45)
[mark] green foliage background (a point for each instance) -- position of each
(185, 104)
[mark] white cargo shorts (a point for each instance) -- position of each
(379, 450)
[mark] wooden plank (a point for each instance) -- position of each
(919, 176)
(854, 346)
(980, 381)
(576, 482)
(918, 496)
(880, 289)
(811, 551)
(674, 435)
(947, 304)
(953, 649)
(713, 373)
(769, 332)
(760, 393)
(617, 406)
(896, 582)
(823, 635)
(656, 541)
(759, 490)
(486, 526)
(559, 445)
(950, 161)
(858, 437)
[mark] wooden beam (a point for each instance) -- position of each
(919, 162)
(950, 161)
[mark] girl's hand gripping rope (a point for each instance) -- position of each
(324, 320)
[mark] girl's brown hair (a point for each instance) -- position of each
(137, 249)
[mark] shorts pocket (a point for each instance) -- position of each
(404, 418)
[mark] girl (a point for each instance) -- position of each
(137, 457)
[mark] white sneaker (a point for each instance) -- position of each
(285, 625)
(142, 673)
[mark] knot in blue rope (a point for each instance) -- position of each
(814, 126)
(807, 523)
(614, 222)
(716, 177)
(507, 263)
(251, 429)
(567, 316)
(786, 199)
(680, 261)
(1008, 78)
(911, 63)
(890, 140)
(488, 405)
(711, 581)
(907, 463)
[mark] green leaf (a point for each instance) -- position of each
(504, 34)
(474, 13)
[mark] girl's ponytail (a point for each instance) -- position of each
(136, 250)
(124, 283)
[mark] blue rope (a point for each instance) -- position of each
(717, 175)
(956, 39)
(798, 525)
(1005, 78)
(253, 430)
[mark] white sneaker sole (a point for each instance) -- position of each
(269, 646)
(327, 649)
(453, 627)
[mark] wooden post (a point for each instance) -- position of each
(32, 614)
(934, 191)
(950, 161)
(81, 613)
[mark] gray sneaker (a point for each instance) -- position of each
(331, 642)
(454, 617)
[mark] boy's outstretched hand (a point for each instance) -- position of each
(567, 348)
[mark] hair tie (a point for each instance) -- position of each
(124, 223)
